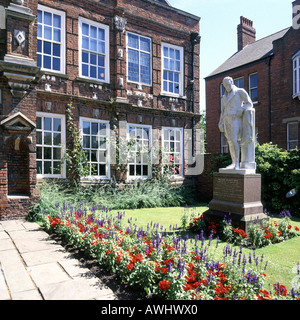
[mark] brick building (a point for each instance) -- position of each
(133, 61)
(269, 70)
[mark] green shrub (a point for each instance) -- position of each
(138, 194)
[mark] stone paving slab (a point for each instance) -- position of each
(47, 273)
(27, 295)
(79, 289)
(34, 258)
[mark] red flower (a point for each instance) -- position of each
(280, 289)
(164, 285)
(164, 270)
(138, 258)
(297, 229)
(130, 266)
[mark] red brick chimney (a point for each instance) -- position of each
(246, 33)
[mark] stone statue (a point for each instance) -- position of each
(237, 122)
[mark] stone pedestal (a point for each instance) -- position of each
(239, 195)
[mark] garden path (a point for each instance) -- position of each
(34, 266)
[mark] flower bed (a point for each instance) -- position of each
(163, 264)
(260, 234)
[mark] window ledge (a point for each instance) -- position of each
(94, 81)
(55, 74)
(170, 95)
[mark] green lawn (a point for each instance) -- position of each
(282, 257)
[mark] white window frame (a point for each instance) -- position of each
(62, 43)
(139, 51)
(181, 72)
(82, 20)
(296, 75)
(253, 88)
(107, 164)
(180, 129)
(149, 164)
(288, 135)
(63, 143)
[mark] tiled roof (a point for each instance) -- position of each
(253, 52)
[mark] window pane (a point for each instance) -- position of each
(56, 167)
(145, 44)
(48, 18)
(47, 62)
(253, 81)
(56, 21)
(56, 153)
(101, 34)
(39, 165)
(85, 70)
(86, 141)
(47, 167)
(39, 138)
(47, 138)
(40, 16)
(93, 32)
(40, 31)
(85, 29)
(133, 41)
(85, 57)
(47, 47)
(47, 123)
(86, 127)
(85, 43)
(94, 128)
(293, 131)
(56, 64)
(47, 33)
(47, 153)
(38, 122)
(56, 139)
(39, 153)
(56, 35)
(56, 124)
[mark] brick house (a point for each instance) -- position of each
(269, 70)
(131, 66)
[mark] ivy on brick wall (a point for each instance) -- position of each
(76, 161)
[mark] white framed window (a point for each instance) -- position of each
(292, 135)
(94, 50)
(50, 145)
(139, 139)
(253, 87)
(239, 82)
(51, 39)
(95, 141)
(172, 69)
(172, 151)
(296, 75)
(139, 59)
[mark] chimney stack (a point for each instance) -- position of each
(246, 33)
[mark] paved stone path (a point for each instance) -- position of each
(35, 267)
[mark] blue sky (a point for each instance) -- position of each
(218, 26)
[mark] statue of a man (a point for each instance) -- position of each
(237, 122)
